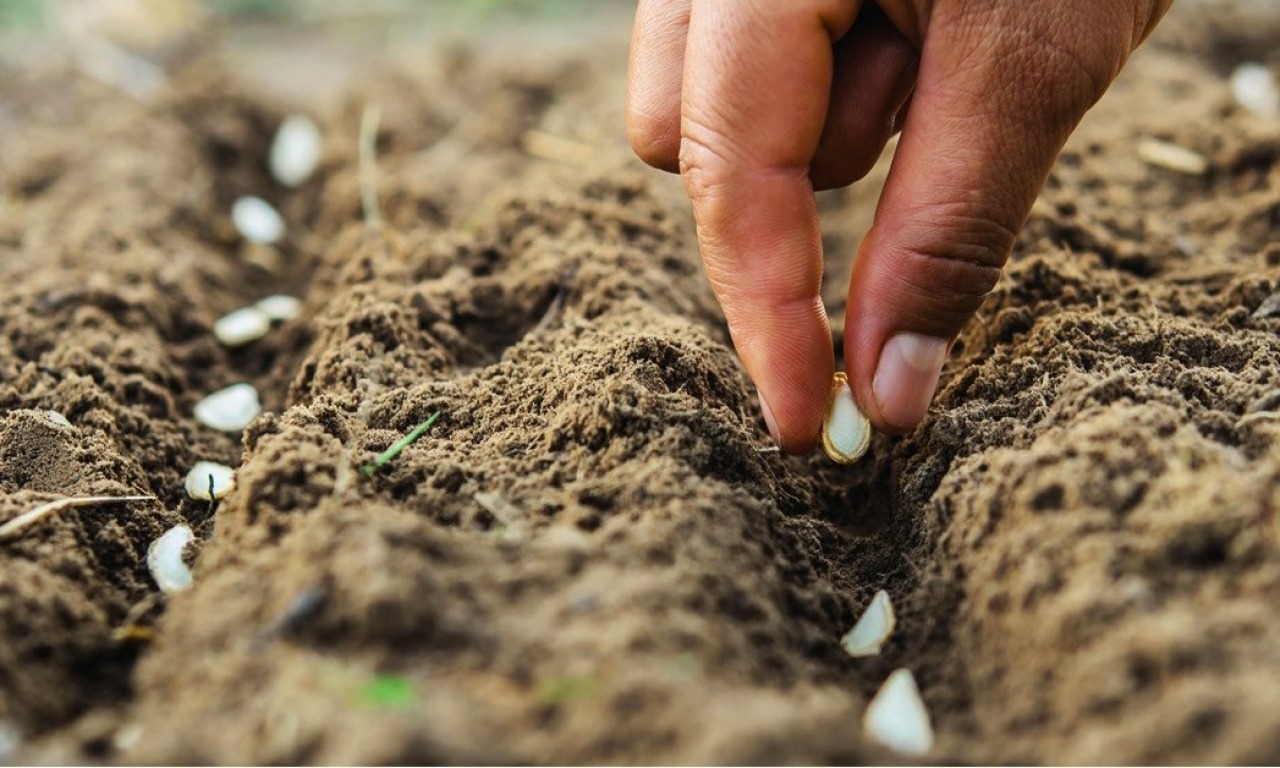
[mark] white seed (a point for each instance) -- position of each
(1254, 88)
(127, 737)
(846, 433)
(280, 308)
(58, 419)
(242, 326)
(1172, 157)
(295, 151)
(257, 221)
(164, 560)
(10, 740)
(209, 473)
(230, 409)
(896, 717)
(873, 629)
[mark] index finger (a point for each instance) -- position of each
(756, 87)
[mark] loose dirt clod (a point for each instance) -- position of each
(896, 717)
(164, 560)
(229, 409)
(873, 629)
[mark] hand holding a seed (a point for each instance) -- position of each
(757, 103)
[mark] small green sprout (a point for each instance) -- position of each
(390, 692)
(563, 690)
(388, 455)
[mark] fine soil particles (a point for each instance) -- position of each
(594, 555)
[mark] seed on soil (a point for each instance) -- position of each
(164, 560)
(846, 433)
(210, 481)
(229, 409)
(280, 308)
(1254, 88)
(242, 326)
(873, 629)
(257, 221)
(1171, 157)
(896, 716)
(58, 419)
(295, 151)
(10, 740)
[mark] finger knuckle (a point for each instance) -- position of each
(956, 272)
(654, 138)
(702, 161)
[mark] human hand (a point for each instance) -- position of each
(757, 103)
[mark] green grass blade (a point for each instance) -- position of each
(389, 455)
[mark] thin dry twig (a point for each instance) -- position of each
(368, 140)
(27, 519)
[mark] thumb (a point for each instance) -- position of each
(995, 101)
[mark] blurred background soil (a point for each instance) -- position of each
(594, 556)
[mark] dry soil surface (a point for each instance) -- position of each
(593, 556)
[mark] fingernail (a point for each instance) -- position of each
(907, 377)
(768, 418)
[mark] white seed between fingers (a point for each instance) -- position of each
(896, 717)
(846, 433)
(229, 409)
(295, 150)
(245, 325)
(257, 221)
(207, 474)
(164, 560)
(874, 628)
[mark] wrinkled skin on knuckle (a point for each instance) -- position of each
(654, 139)
(944, 289)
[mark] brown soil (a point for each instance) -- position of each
(592, 556)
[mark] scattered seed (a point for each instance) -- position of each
(896, 717)
(1254, 88)
(295, 151)
(10, 740)
(164, 560)
(257, 221)
(27, 519)
(210, 481)
(1172, 157)
(873, 629)
(1270, 307)
(279, 308)
(127, 737)
(58, 419)
(242, 326)
(388, 455)
(230, 409)
(846, 433)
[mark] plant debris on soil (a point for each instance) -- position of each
(596, 562)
